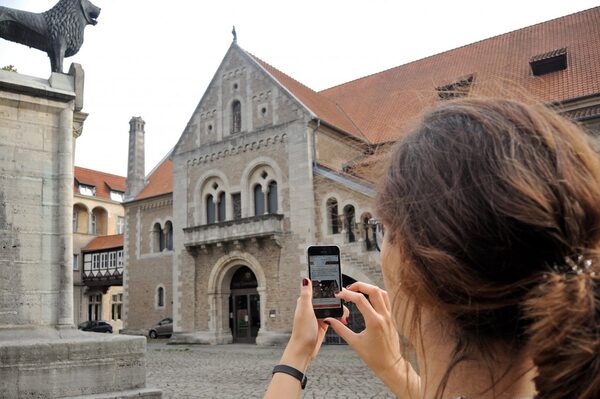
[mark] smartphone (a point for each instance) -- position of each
(324, 270)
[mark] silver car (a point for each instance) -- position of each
(164, 328)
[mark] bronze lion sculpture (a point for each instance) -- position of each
(58, 31)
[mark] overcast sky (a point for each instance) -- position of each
(154, 59)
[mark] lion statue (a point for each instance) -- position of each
(58, 31)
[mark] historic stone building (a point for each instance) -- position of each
(217, 233)
(98, 225)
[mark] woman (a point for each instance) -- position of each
(492, 216)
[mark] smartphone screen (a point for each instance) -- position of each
(324, 270)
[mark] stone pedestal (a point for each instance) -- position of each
(42, 355)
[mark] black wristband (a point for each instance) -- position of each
(297, 374)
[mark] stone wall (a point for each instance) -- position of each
(36, 141)
(145, 269)
(335, 149)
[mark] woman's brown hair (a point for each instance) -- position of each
(490, 201)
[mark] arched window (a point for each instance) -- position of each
(221, 206)
(236, 117)
(168, 233)
(272, 198)
(160, 297)
(259, 200)
(156, 238)
(210, 209)
(349, 221)
(99, 221)
(332, 216)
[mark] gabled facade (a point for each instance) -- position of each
(266, 167)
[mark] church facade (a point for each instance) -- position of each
(216, 234)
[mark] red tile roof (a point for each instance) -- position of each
(104, 242)
(104, 182)
(380, 106)
(383, 104)
(159, 182)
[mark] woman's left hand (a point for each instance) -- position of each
(307, 331)
(303, 346)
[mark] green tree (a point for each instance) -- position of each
(10, 68)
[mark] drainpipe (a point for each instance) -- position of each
(314, 145)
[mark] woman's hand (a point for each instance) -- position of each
(378, 345)
(303, 346)
(307, 331)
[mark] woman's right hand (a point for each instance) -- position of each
(378, 345)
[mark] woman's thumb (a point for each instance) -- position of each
(306, 290)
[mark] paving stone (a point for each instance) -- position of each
(244, 371)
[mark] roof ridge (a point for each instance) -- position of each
(99, 171)
(165, 158)
(456, 48)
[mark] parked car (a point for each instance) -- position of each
(96, 326)
(164, 328)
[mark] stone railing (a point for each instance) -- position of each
(233, 230)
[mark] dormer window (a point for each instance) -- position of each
(236, 117)
(85, 189)
(552, 61)
(116, 196)
(457, 89)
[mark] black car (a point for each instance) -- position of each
(96, 326)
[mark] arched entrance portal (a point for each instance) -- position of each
(244, 306)
(356, 322)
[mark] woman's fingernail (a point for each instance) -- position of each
(327, 322)
(337, 292)
(304, 282)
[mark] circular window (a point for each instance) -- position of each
(235, 86)
(264, 174)
(215, 186)
(263, 111)
(209, 128)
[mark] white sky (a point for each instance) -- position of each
(154, 59)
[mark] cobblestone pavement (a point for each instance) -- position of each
(244, 371)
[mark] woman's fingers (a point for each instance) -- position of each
(340, 329)
(378, 297)
(306, 291)
(361, 302)
(345, 315)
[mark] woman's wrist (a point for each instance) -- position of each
(295, 357)
(400, 378)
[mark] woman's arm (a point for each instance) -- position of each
(304, 344)
(378, 344)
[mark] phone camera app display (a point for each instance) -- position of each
(325, 276)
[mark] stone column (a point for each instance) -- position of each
(65, 214)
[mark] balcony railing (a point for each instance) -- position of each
(232, 230)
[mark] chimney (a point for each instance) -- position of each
(135, 163)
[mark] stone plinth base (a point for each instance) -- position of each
(50, 363)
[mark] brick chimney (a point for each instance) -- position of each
(135, 162)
